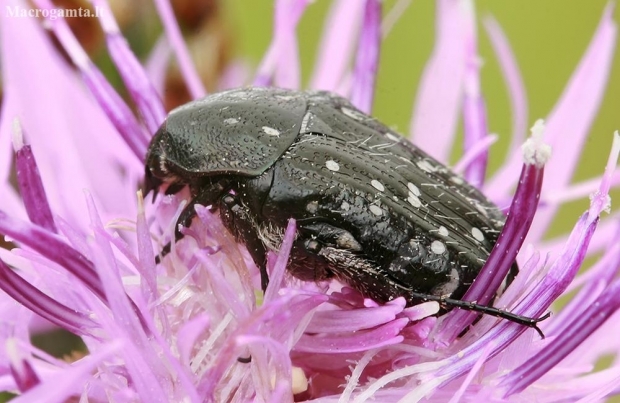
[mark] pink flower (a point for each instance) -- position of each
(180, 330)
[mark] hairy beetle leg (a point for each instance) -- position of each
(237, 219)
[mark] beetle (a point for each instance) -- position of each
(372, 210)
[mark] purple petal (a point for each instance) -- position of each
(436, 109)
(281, 61)
(21, 369)
(116, 109)
(337, 44)
(279, 358)
(189, 334)
(146, 266)
(64, 385)
(596, 280)
(505, 251)
(579, 190)
(156, 65)
(277, 275)
(573, 335)
(226, 354)
(141, 360)
(358, 341)
(91, 149)
(230, 249)
(569, 123)
(133, 74)
(474, 152)
(560, 274)
(173, 32)
(52, 247)
(30, 185)
(474, 109)
(44, 306)
(339, 321)
(367, 60)
(514, 81)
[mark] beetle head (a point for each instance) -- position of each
(159, 169)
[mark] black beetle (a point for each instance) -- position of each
(372, 209)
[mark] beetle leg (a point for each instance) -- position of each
(237, 218)
(204, 196)
(323, 251)
(185, 218)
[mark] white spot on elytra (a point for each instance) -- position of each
(271, 131)
(345, 206)
(443, 231)
(414, 200)
(377, 185)
(392, 136)
(376, 210)
(457, 180)
(425, 166)
(304, 122)
(438, 247)
(477, 234)
(231, 121)
(332, 165)
(353, 114)
(414, 189)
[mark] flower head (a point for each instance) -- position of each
(196, 326)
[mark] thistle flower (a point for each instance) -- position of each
(179, 330)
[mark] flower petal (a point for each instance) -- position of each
(436, 110)
(367, 60)
(570, 120)
(337, 44)
(173, 32)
